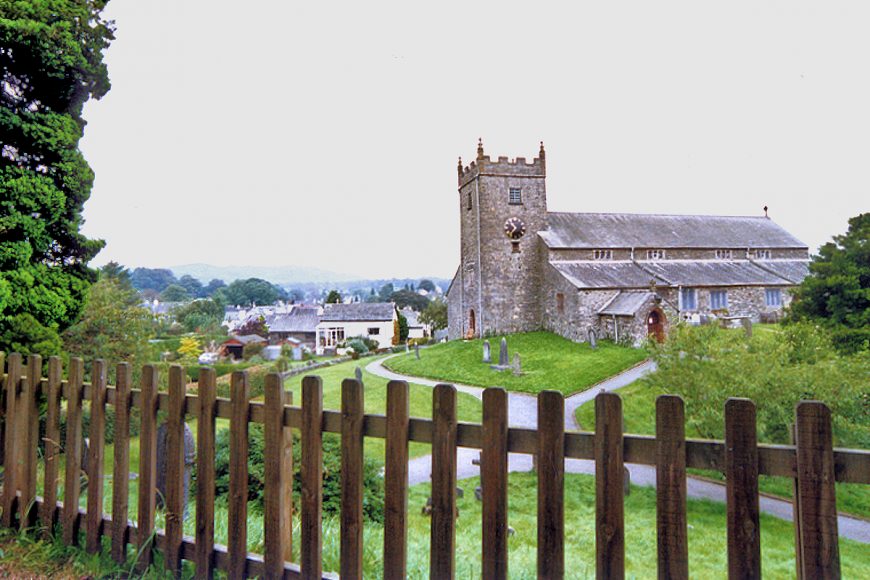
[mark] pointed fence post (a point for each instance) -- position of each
(175, 470)
(673, 548)
(96, 446)
(205, 474)
(277, 525)
(396, 481)
(493, 482)
(741, 487)
(820, 555)
(72, 450)
(238, 500)
(312, 477)
(13, 436)
(147, 466)
(609, 486)
(551, 484)
(352, 417)
(49, 513)
(443, 524)
(121, 473)
(28, 414)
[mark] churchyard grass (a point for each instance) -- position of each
(548, 361)
(638, 406)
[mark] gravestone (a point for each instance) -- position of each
(517, 368)
(503, 359)
(407, 348)
(487, 355)
(189, 459)
(747, 326)
(417, 351)
(593, 339)
(358, 374)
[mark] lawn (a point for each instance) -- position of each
(638, 407)
(706, 535)
(548, 362)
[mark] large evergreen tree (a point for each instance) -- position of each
(51, 63)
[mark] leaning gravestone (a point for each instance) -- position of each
(487, 355)
(593, 339)
(189, 459)
(747, 326)
(417, 351)
(358, 374)
(516, 366)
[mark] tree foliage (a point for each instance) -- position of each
(254, 326)
(175, 293)
(837, 291)
(189, 349)
(404, 298)
(51, 62)
(435, 314)
(426, 285)
(706, 365)
(402, 326)
(202, 316)
(156, 279)
(334, 297)
(251, 291)
(112, 326)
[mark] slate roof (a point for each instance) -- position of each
(793, 270)
(248, 338)
(299, 320)
(600, 274)
(617, 230)
(626, 303)
(713, 273)
(411, 316)
(626, 274)
(362, 311)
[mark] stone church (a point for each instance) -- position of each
(620, 276)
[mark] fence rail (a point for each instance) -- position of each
(812, 463)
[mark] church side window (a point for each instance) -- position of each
(762, 254)
(655, 254)
(718, 299)
(515, 196)
(602, 254)
(688, 299)
(560, 302)
(723, 254)
(773, 297)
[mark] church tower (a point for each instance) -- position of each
(502, 206)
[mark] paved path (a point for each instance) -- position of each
(523, 413)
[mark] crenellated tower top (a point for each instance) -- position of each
(484, 165)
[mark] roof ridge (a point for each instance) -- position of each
(658, 214)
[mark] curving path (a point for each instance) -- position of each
(523, 412)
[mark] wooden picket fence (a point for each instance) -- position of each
(812, 463)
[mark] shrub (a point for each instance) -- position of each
(373, 485)
(851, 340)
(358, 346)
(252, 349)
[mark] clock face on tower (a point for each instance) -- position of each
(514, 228)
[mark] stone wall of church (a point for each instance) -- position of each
(579, 308)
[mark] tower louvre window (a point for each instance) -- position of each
(468, 201)
(762, 254)
(515, 196)
(560, 302)
(655, 254)
(602, 254)
(724, 254)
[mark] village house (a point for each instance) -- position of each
(299, 325)
(621, 276)
(343, 321)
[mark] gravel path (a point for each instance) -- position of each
(522, 412)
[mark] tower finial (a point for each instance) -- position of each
(480, 148)
(541, 153)
(459, 167)
(765, 211)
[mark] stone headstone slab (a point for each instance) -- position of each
(358, 374)
(503, 359)
(189, 459)
(593, 338)
(487, 355)
(417, 351)
(517, 368)
(747, 326)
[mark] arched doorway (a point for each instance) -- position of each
(655, 325)
(472, 324)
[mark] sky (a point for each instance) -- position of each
(326, 134)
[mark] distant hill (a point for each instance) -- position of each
(281, 275)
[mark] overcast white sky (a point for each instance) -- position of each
(326, 133)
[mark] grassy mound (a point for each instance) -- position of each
(548, 362)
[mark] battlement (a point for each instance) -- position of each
(484, 165)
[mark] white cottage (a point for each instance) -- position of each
(342, 321)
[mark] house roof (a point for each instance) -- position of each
(247, 338)
(628, 274)
(300, 320)
(618, 230)
(411, 316)
(626, 303)
(362, 311)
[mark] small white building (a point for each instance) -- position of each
(416, 329)
(343, 321)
